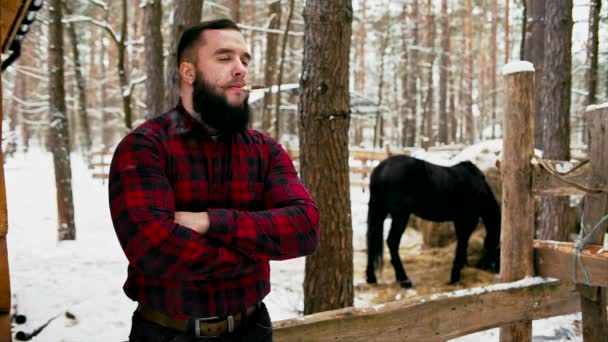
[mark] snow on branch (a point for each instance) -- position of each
(261, 29)
(101, 4)
(103, 24)
(24, 71)
(127, 92)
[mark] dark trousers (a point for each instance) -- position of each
(257, 328)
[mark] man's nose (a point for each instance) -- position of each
(239, 70)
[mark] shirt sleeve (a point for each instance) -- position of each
(289, 228)
(142, 207)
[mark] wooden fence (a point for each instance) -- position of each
(521, 298)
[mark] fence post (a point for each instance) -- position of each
(516, 258)
(593, 299)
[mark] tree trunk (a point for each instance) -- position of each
(125, 89)
(412, 99)
(592, 51)
(482, 90)
(534, 52)
(361, 38)
(83, 116)
(493, 56)
(277, 114)
(556, 83)
(468, 75)
(443, 73)
(324, 111)
(379, 125)
(153, 46)
(235, 10)
(59, 126)
(270, 70)
(186, 13)
(403, 67)
(429, 100)
(507, 43)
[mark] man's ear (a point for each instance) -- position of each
(187, 72)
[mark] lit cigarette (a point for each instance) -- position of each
(250, 87)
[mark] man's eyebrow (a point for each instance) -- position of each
(226, 50)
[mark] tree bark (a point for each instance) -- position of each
(186, 13)
(412, 99)
(277, 114)
(153, 46)
(493, 56)
(360, 43)
(324, 110)
(379, 124)
(83, 117)
(556, 84)
(59, 126)
(468, 75)
(404, 70)
(507, 43)
(443, 73)
(235, 10)
(429, 101)
(270, 70)
(534, 52)
(592, 51)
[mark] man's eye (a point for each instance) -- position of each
(245, 63)
(224, 59)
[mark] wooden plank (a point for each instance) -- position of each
(437, 317)
(516, 258)
(554, 259)
(545, 184)
(5, 294)
(11, 20)
(593, 299)
(100, 176)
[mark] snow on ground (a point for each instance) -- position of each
(85, 277)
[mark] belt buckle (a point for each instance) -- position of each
(197, 325)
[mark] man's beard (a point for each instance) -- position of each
(215, 111)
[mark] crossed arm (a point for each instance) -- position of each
(217, 244)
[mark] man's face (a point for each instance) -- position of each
(222, 60)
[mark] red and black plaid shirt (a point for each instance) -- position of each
(258, 211)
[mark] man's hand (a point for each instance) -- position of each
(197, 221)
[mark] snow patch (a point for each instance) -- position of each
(517, 66)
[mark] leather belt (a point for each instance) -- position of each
(203, 327)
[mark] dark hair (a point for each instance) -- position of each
(189, 38)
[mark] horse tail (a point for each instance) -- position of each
(376, 213)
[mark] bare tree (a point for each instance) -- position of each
(556, 83)
(443, 73)
(324, 111)
(270, 68)
(404, 70)
(185, 14)
(468, 73)
(534, 52)
(153, 45)
(493, 56)
(83, 117)
(277, 115)
(235, 9)
(59, 126)
(592, 51)
(360, 49)
(412, 99)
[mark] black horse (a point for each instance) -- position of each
(402, 185)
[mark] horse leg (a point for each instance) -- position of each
(394, 239)
(376, 215)
(464, 229)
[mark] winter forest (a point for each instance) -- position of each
(345, 84)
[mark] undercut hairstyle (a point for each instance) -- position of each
(192, 38)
